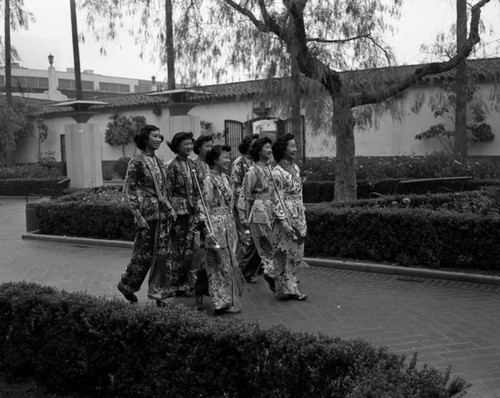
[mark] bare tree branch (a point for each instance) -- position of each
(430, 68)
(339, 41)
(249, 14)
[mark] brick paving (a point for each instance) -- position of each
(447, 323)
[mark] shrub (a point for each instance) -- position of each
(408, 237)
(73, 342)
(21, 187)
(323, 191)
(46, 169)
(94, 220)
(373, 169)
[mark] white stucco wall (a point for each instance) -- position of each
(386, 136)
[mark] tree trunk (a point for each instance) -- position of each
(460, 147)
(296, 117)
(8, 54)
(343, 130)
(76, 50)
(169, 44)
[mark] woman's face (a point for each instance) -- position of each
(224, 161)
(266, 153)
(154, 140)
(185, 148)
(205, 148)
(291, 151)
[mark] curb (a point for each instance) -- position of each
(359, 266)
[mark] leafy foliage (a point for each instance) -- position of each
(74, 342)
(121, 129)
(477, 129)
(24, 186)
(373, 169)
(17, 122)
(406, 236)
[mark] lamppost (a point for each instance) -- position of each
(51, 59)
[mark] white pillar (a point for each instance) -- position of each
(83, 155)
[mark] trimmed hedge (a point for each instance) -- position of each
(322, 191)
(77, 343)
(452, 237)
(24, 186)
(105, 220)
(406, 236)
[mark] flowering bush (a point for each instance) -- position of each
(436, 165)
(32, 170)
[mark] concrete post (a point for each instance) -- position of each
(83, 155)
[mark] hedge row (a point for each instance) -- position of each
(104, 220)
(77, 343)
(412, 236)
(25, 186)
(406, 236)
(322, 191)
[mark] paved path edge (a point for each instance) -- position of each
(315, 262)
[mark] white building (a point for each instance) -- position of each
(242, 108)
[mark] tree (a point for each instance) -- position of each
(76, 50)
(14, 16)
(121, 129)
(460, 149)
(312, 25)
(149, 29)
(17, 123)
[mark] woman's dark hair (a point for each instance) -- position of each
(142, 136)
(245, 144)
(215, 153)
(279, 147)
(178, 138)
(257, 146)
(198, 143)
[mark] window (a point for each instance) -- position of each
(114, 87)
(30, 82)
(69, 84)
(142, 89)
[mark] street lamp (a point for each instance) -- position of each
(51, 59)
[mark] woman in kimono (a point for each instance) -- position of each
(290, 227)
(220, 232)
(183, 196)
(145, 190)
(254, 204)
(246, 251)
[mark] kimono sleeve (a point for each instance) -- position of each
(131, 191)
(209, 197)
(277, 204)
(245, 200)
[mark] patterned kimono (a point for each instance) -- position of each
(183, 195)
(288, 253)
(240, 167)
(221, 265)
(254, 208)
(150, 245)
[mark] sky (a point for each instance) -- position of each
(420, 22)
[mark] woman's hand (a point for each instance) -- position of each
(290, 232)
(172, 214)
(211, 240)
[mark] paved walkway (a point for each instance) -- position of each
(447, 323)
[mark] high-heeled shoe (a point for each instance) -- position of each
(128, 295)
(298, 297)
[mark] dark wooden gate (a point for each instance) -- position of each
(234, 135)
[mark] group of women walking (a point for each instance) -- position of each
(201, 214)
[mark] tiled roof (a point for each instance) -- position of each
(485, 69)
